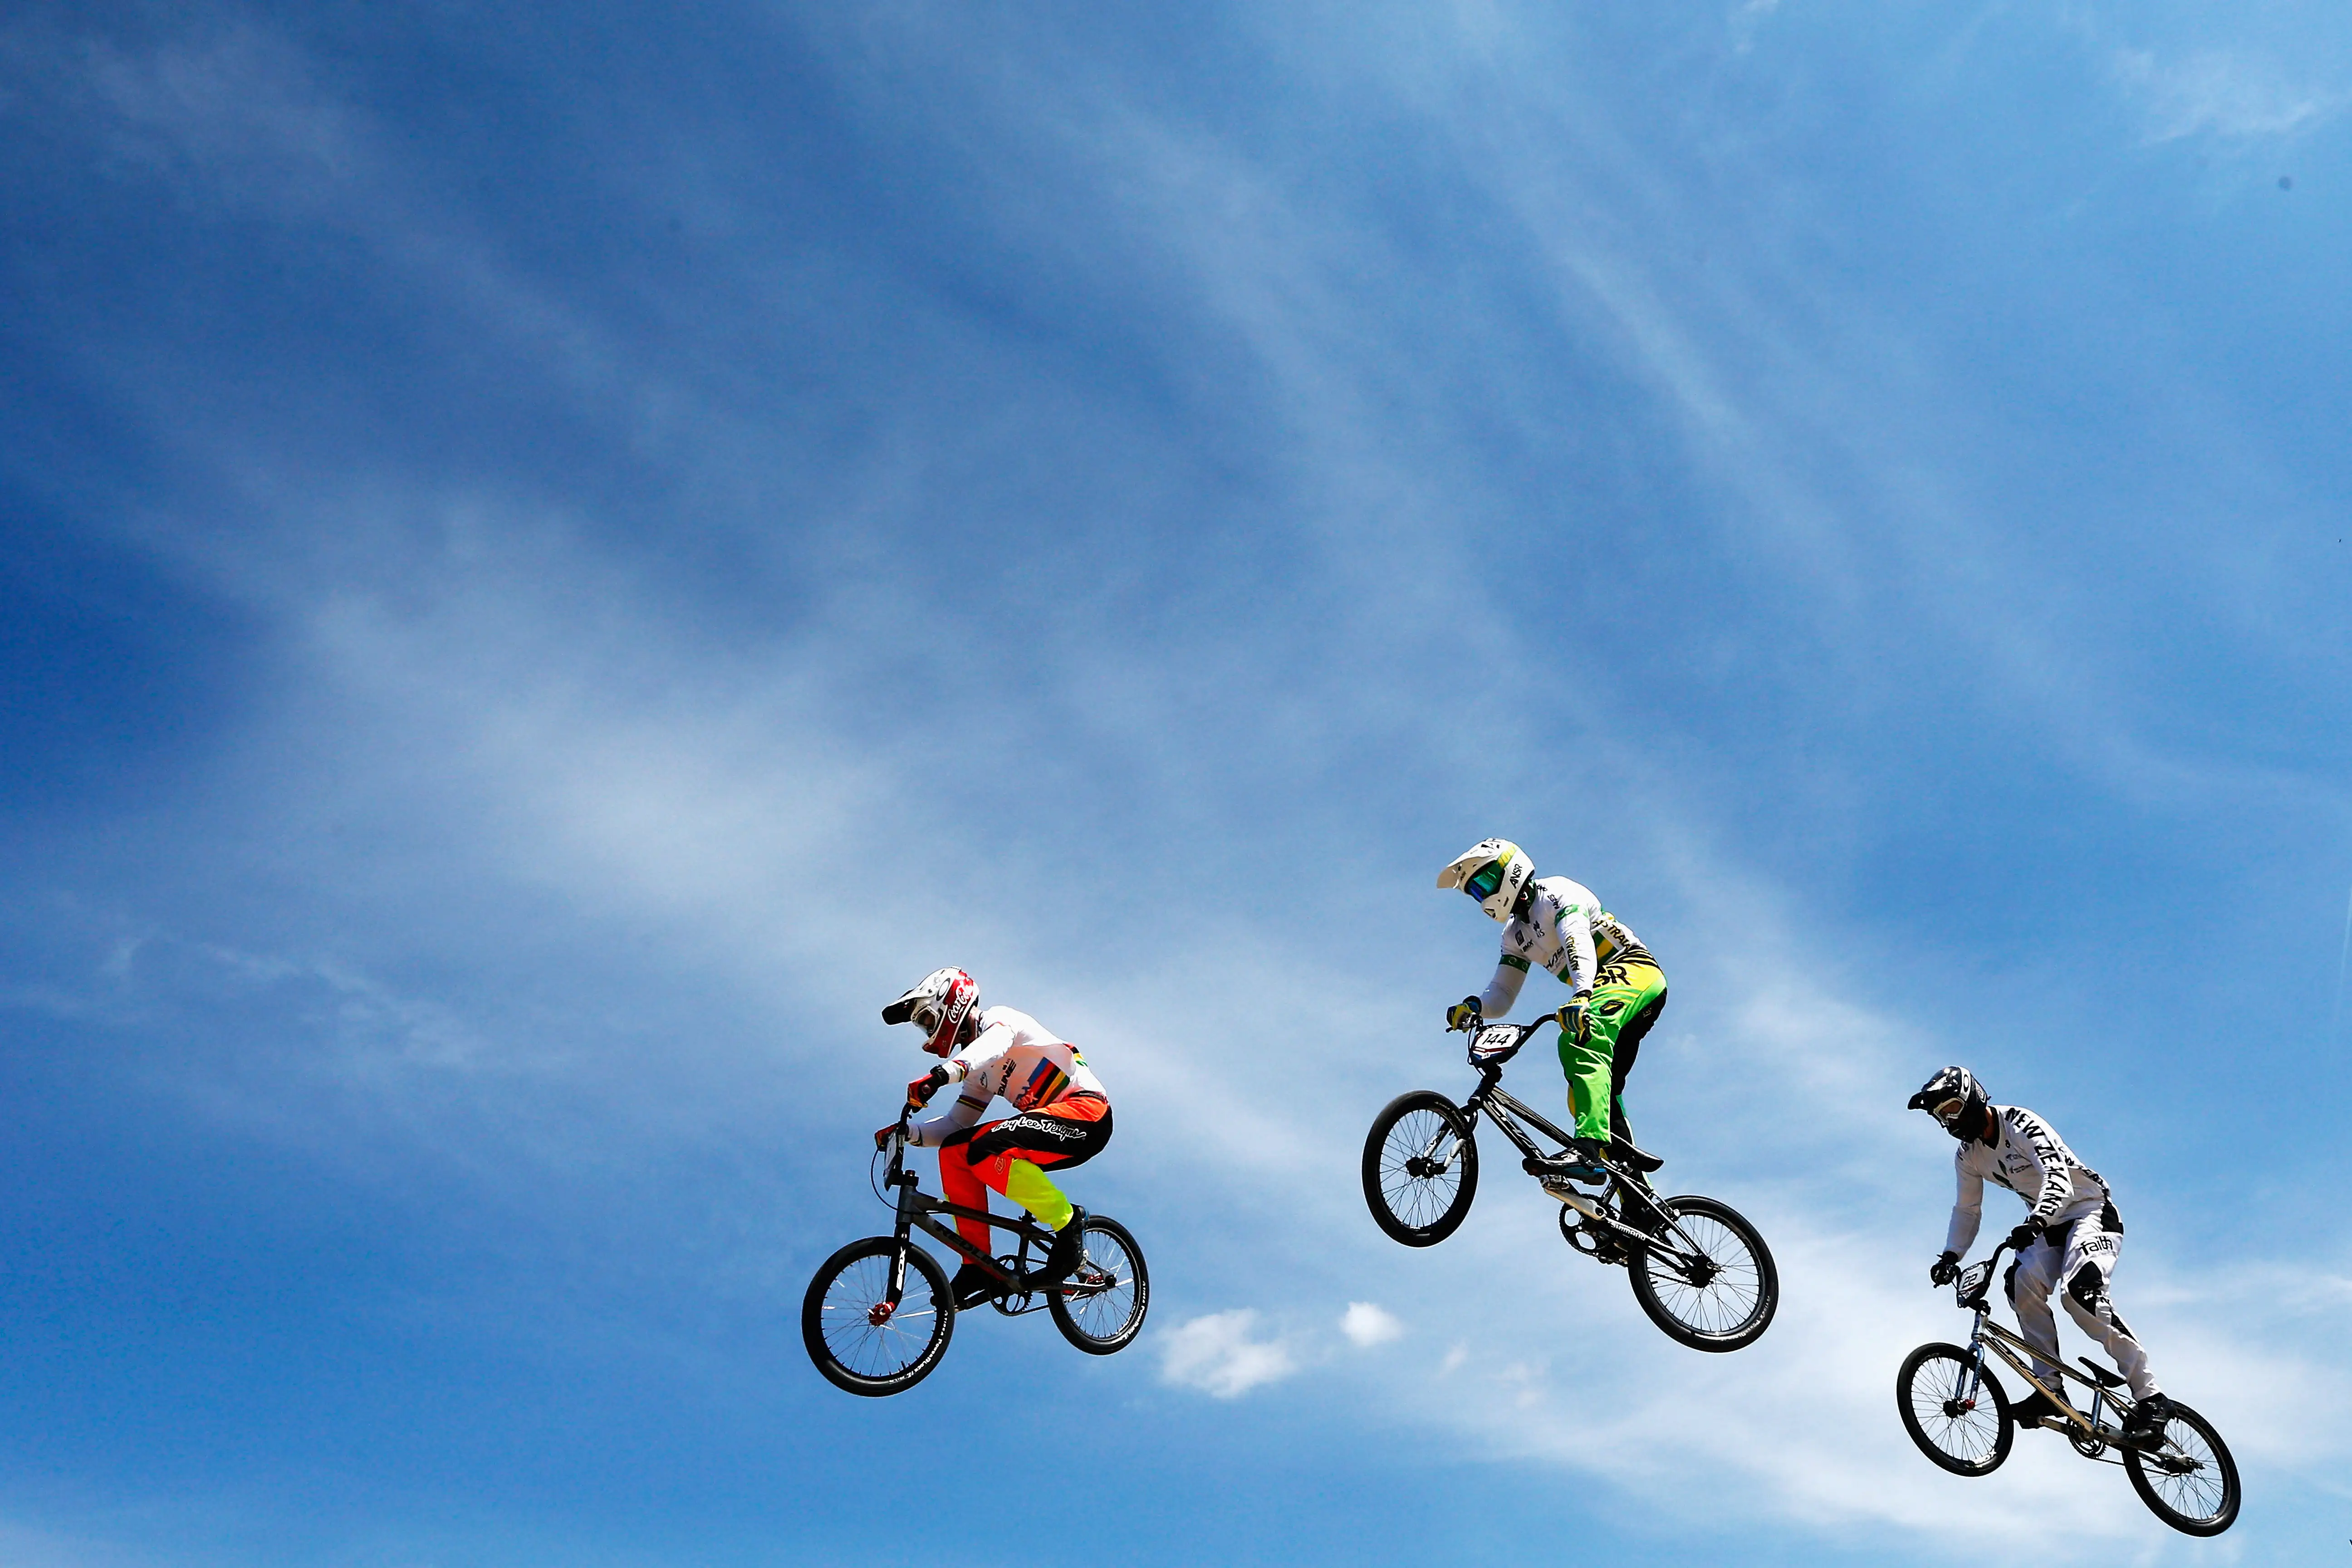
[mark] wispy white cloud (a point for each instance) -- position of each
(1218, 1355)
(2221, 93)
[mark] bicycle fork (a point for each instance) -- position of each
(1470, 1124)
(909, 1204)
(1972, 1378)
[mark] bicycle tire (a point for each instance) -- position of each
(1101, 1318)
(2188, 1433)
(1419, 1210)
(838, 1328)
(1968, 1442)
(1733, 1306)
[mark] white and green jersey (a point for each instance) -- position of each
(1567, 933)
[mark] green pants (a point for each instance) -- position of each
(1623, 1006)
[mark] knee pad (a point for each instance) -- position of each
(2086, 1287)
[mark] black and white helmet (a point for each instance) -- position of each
(1952, 1097)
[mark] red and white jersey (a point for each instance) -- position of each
(1014, 1056)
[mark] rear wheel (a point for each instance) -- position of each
(861, 1340)
(1967, 1434)
(2189, 1482)
(1100, 1307)
(1717, 1292)
(1421, 1168)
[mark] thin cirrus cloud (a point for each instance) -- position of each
(2222, 94)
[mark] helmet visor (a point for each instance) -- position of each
(1485, 881)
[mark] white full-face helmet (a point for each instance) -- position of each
(944, 1005)
(1493, 871)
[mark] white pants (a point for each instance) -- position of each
(2084, 1257)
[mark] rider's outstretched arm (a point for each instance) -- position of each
(1968, 1209)
(1503, 991)
(969, 1066)
(1583, 965)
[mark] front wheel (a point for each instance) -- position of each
(1717, 1290)
(860, 1338)
(1421, 1168)
(1099, 1309)
(2189, 1482)
(1957, 1416)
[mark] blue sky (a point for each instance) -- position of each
(556, 561)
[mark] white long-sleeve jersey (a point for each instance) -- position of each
(1567, 932)
(2030, 1160)
(1014, 1055)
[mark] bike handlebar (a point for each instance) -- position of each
(1495, 1057)
(1969, 1290)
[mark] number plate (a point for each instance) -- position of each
(1495, 1040)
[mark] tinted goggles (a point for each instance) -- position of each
(1485, 881)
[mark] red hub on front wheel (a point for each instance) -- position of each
(879, 1313)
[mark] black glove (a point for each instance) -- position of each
(2025, 1234)
(920, 1092)
(1945, 1269)
(1466, 1014)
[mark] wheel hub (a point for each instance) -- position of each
(1956, 1409)
(879, 1313)
(1421, 1167)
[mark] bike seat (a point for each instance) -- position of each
(1641, 1159)
(2100, 1375)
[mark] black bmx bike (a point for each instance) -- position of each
(1697, 1267)
(1958, 1412)
(877, 1316)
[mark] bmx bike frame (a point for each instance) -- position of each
(2084, 1431)
(915, 1208)
(1506, 1112)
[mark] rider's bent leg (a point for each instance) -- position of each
(959, 1183)
(1033, 1189)
(1623, 994)
(1010, 1156)
(2030, 1280)
(2092, 1245)
(1622, 1057)
(1587, 1070)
